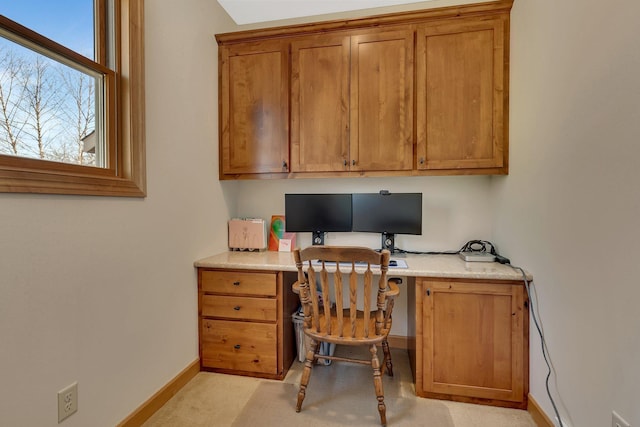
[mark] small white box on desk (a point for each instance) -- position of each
(247, 234)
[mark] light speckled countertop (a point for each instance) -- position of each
(445, 266)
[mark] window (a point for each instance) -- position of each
(72, 114)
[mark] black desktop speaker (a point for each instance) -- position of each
(388, 242)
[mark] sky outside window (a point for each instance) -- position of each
(68, 22)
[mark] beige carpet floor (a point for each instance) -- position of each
(338, 395)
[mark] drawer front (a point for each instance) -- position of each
(241, 346)
(246, 308)
(239, 282)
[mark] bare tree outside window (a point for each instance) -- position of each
(47, 108)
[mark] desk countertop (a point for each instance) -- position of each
(443, 266)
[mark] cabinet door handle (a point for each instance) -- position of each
(237, 346)
(428, 292)
(236, 308)
(345, 162)
(422, 160)
(284, 164)
(236, 283)
(353, 162)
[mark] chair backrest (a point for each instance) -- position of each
(354, 263)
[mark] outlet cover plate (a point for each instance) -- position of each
(67, 402)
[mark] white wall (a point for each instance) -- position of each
(454, 209)
(102, 290)
(570, 207)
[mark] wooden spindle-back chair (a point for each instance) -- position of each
(348, 325)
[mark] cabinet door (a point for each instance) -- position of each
(254, 111)
(461, 95)
(474, 340)
(319, 104)
(382, 101)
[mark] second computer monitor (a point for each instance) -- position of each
(389, 214)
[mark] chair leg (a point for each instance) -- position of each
(377, 382)
(387, 359)
(312, 349)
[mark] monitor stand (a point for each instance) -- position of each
(388, 242)
(317, 238)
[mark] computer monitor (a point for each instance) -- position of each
(317, 213)
(387, 213)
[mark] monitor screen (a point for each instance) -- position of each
(393, 213)
(317, 212)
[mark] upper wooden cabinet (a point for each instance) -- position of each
(320, 104)
(254, 108)
(382, 101)
(352, 102)
(461, 94)
(413, 93)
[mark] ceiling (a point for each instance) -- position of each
(253, 11)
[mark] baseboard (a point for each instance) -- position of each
(397, 341)
(539, 417)
(162, 396)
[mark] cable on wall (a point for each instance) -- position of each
(542, 340)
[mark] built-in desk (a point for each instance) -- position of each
(467, 323)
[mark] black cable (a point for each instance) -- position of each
(470, 246)
(543, 342)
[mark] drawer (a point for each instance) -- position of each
(241, 346)
(239, 282)
(246, 308)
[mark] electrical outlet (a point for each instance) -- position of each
(617, 421)
(67, 402)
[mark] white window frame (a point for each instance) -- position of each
(125, 174)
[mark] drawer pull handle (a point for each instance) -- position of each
(236, 308)
(236, 283)
(237, 346)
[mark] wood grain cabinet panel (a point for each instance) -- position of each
(240, 346)
(239, 282)
(352, 102)
(320, 104)
(406, 94)
(472, 341)
(382, 101)
(254, 110)
(461, 95)
(245, 323)
(263, 309)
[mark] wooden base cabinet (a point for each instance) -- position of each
(245, 322)
(471, 341)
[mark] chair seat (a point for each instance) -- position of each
(346, 337)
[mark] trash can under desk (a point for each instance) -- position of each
(326, 349)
